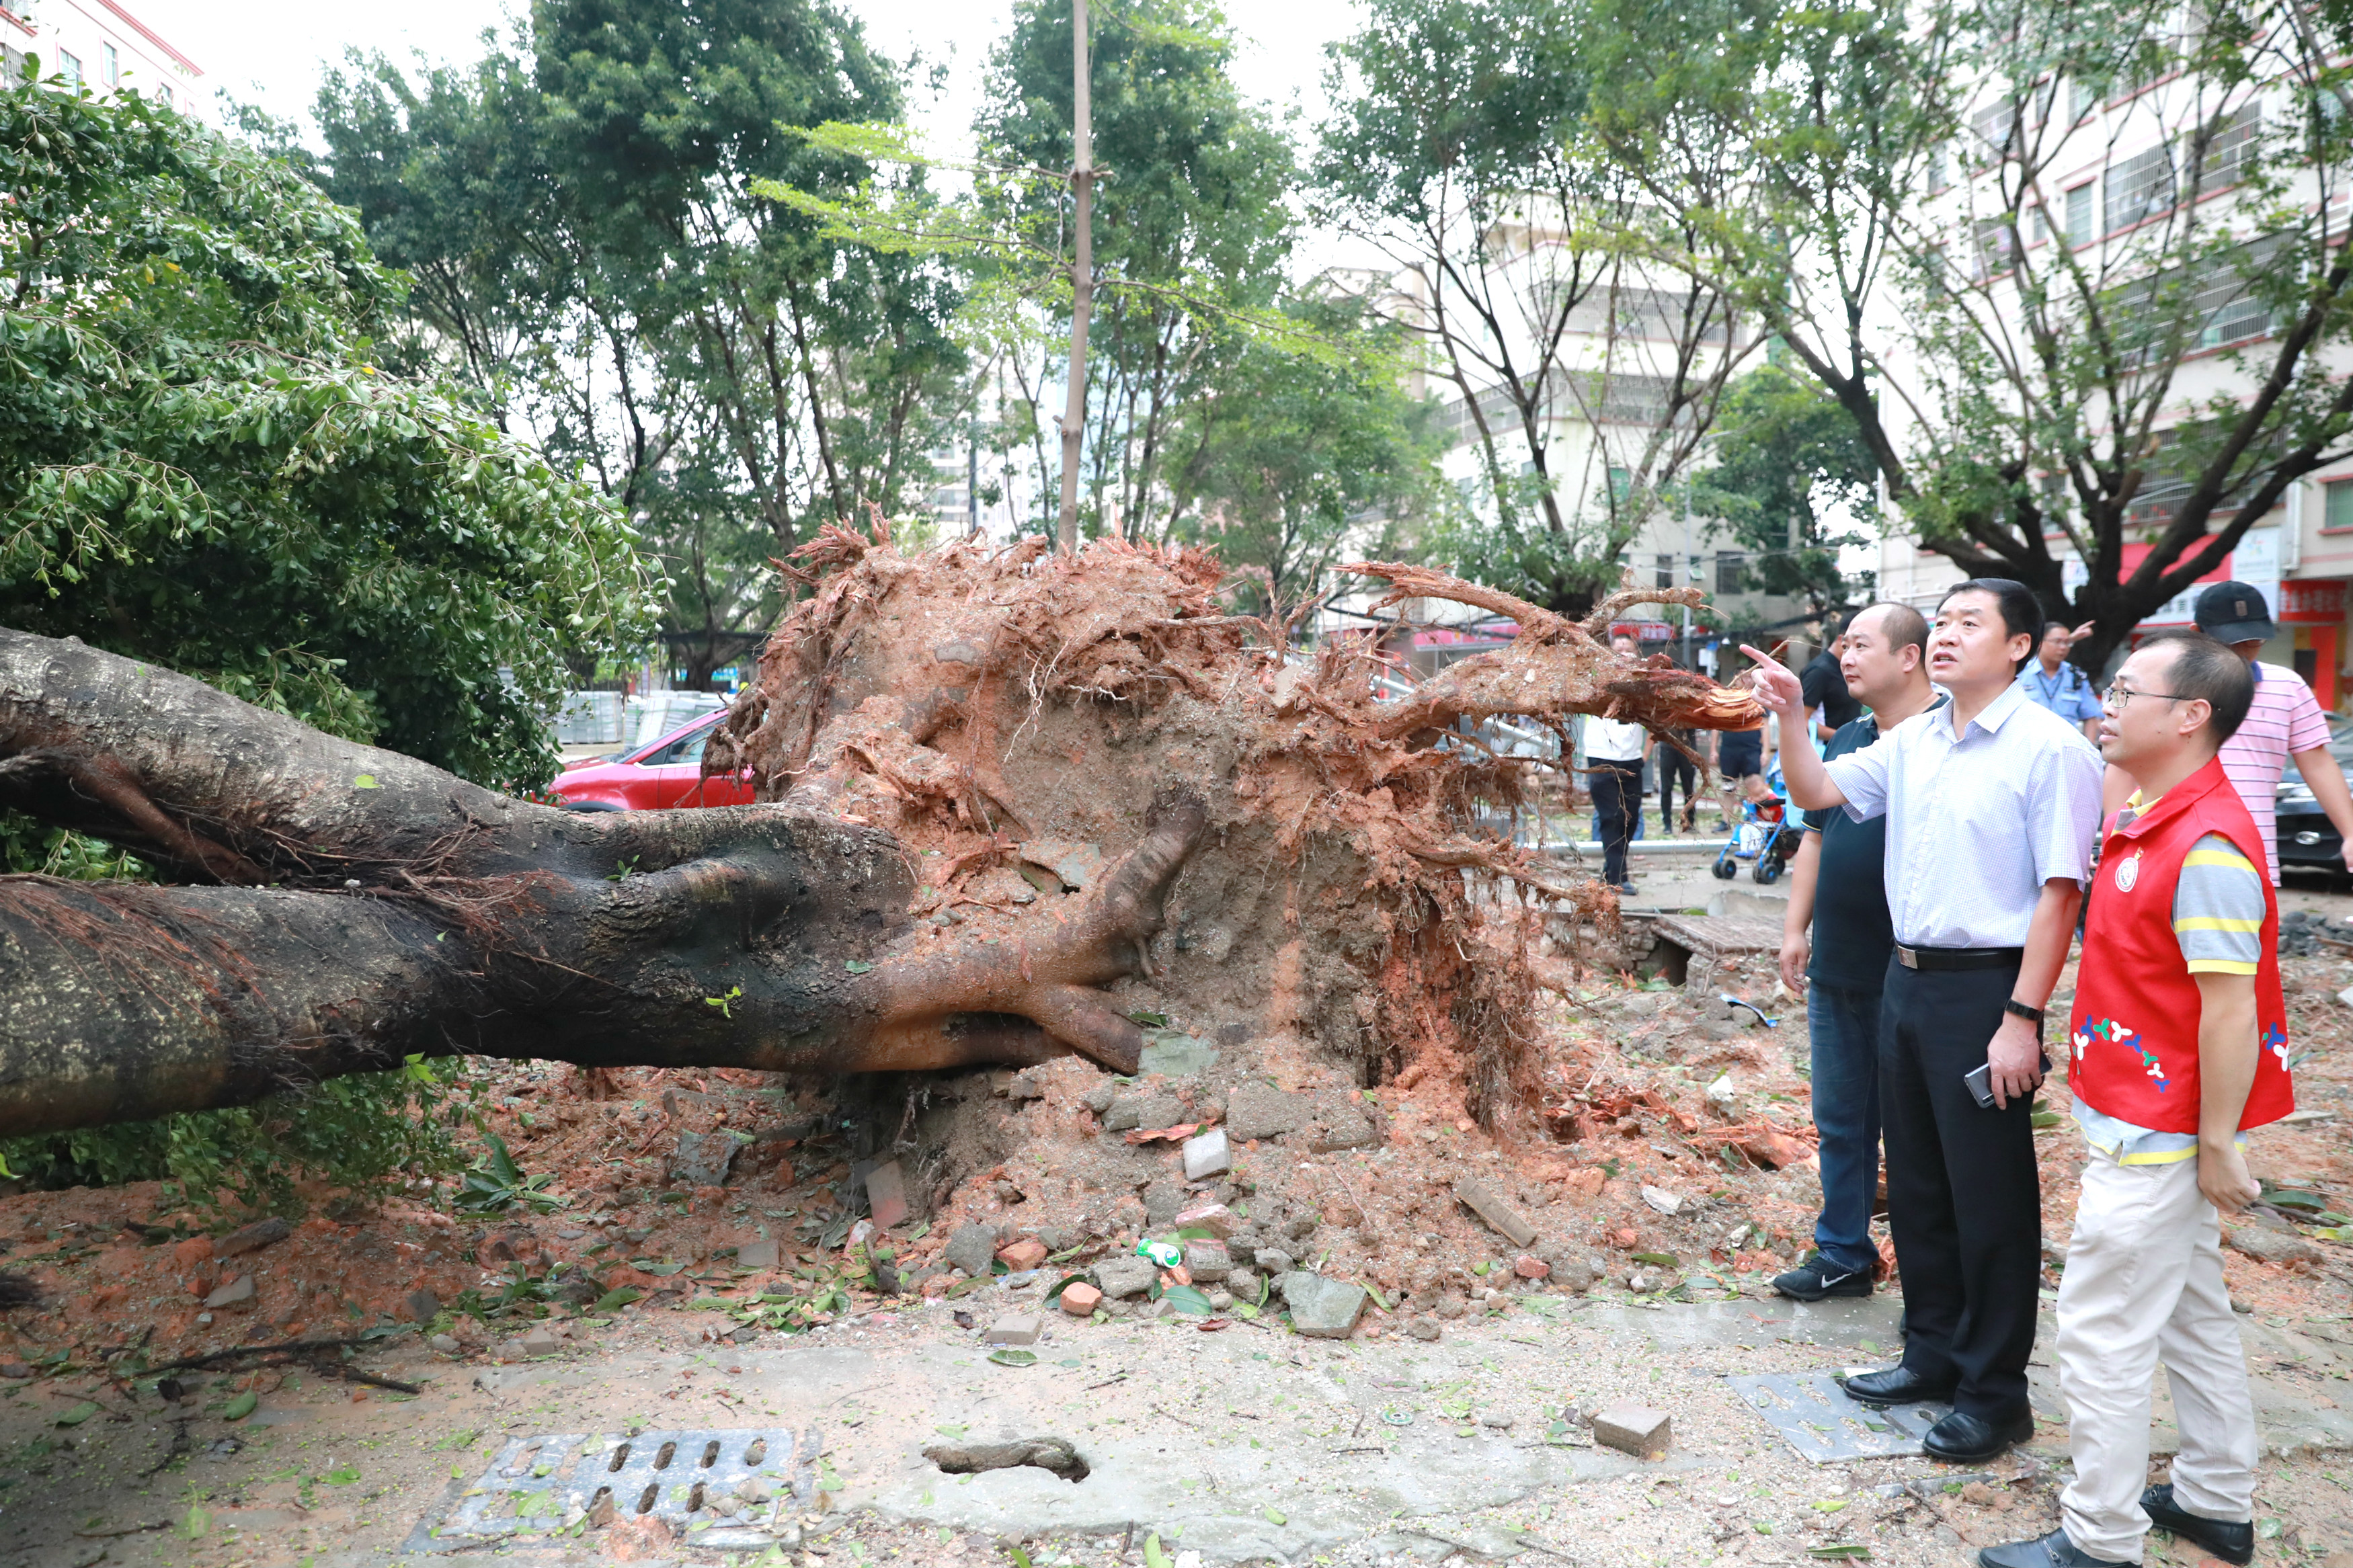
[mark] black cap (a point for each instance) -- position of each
(2235, 612)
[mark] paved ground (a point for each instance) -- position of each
(1248, 1444)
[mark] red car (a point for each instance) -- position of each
(660, 777)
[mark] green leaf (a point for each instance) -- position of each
(1828, 1505)
(364, 781)
(1021, 1558)
(2289, 1198)
(241, 1406)
(1658, 1259)
(620, 1297)
(856, 966)
(1064, 1283)
(1855, 1553)
(1188, 1299)
(1014, 1357)
(341, 1476)
(1154, 1557)
(1274, 1515)
(78, 1414)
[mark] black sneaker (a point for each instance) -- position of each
(1818, 1278)
(2233, 1541)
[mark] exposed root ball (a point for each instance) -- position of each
(1009, 716)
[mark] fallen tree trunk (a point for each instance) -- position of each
(328, 908)
(348, 908)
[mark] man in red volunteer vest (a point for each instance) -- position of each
(2178, 1044)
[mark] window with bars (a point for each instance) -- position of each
(1731, 571)
(2079, 219)
(1994, 245)
(2083, 97)
(2217, 301)
(1992, 129)
(70, 66)
(2231, 155)
(109, 66)
(2138, 188)
(1662, 572)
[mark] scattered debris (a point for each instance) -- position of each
(1633, 1430)
(1056, 1455)
(1489, 1206)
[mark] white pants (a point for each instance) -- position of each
(2143, 1282)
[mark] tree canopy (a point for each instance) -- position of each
(578, 206)
(212, 458)
(2115, 377)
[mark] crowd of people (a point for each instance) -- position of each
(1980, 806)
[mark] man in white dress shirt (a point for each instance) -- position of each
(1615, 750)
(1992, 806)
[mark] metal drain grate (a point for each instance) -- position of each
(724, 1489)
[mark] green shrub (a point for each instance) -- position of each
(359, 1132)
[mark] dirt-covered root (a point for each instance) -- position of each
(1011, 715)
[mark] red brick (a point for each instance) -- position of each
(1528, 1268)
(1079, 1301)
(1023, 1255)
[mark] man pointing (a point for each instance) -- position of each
(1991, 805)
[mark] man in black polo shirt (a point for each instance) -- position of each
(1823, 685)
(1839, 887)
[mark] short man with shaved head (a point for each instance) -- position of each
(1835, 942)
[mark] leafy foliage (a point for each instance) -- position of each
(577, 209)
(2040, 368)
(495, 1183)
(1583, 364)
(1282, 460)
(358, 1133)
(205, 460)
(1791, 480)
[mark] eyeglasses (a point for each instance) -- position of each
(2118, 694)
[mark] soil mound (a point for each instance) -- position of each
(1011, 717)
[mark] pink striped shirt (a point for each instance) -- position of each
(2286, 718)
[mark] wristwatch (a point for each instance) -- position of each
(2031, 1015)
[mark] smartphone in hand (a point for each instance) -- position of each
(1981, 1081)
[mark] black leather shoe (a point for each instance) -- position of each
(1962, 1438)
(1818, 1278)
(2052, 1550)
(1896, 1386)
(2231, 1541)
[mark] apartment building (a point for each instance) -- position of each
(97, 45)
(2113, 164)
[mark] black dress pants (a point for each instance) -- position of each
(1674, 768)
(1617, 800)
(1963, 1198)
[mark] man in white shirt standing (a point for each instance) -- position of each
(1992, 803)
(1614, 753)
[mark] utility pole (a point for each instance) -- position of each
(1083, 279)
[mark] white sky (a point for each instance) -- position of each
(271, 52)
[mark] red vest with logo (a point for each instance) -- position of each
(2134, 1037)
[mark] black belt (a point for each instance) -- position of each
(1959, 957)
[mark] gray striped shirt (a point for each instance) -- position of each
(1977, 823)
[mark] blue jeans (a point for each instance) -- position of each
(1844, 1026)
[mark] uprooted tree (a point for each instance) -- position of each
(1017, 798)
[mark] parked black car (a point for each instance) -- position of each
(2307, 840)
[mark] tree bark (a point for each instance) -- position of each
(339, 908)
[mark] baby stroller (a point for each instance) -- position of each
(1764, 834)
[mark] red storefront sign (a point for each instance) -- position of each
(1643, 631)
(2319, 603)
